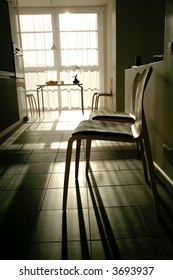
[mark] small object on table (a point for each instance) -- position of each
(51, 82)
(75, 81)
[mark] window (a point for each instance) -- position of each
(76, 37)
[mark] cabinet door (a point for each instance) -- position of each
(9, 112)
(13, 111)
(3, 105)
(6, 47)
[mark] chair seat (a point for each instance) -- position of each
(101, 128)
(111, 116)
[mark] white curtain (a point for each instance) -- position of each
(76, 37)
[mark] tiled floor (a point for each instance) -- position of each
(110, 214)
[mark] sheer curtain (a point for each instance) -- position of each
(78, 52)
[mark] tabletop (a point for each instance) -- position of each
(59, 84)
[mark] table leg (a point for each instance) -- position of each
(38, 101)
(82, 103)
(42, 98)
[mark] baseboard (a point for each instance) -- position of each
(10, 128)
(163, 176)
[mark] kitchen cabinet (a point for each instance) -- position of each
(18, 59)
(6, 46)
(13, 107)
(9, 113)
(3, 105)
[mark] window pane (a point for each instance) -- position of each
(79, 57)
(43, 40)
(78, 40)
(30, 23)
(33, 41)
(70, 22)
(38, 59)
(30, 59)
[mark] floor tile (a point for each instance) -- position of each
(100, 250)
(145, 249)
(57, 180)
(48, 227)
(126, 222)
(133, 177)
(103, 165)
(37, 168)
(53, 199)
(111, 196)
(106, 178)
(129, 164)
(9, 169)
(42, 157)
(141, 194)
(13, 157)
(5, 180)
(31, 181)
(154, 226)
(23, 200)
(45, 251)
(77, 224)
(60, 167)
(118, 222)
(78, 250)
(16, 234)
(51, 138)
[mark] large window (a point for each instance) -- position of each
(75, 37)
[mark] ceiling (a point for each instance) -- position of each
(60, 3)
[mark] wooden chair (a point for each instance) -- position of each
(102, 130)
(32, 102)
(97, 95)
(113, 116)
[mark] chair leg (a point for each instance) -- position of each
(67, 172)
(88, 151)
(30, 103)
(151, 168)
(93, 101)
(97, 101)
(143, 160)
(78, 145)
(34, 101)
(138, 147)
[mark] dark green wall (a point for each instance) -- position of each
(139, 32)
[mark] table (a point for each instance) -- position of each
(41, 87)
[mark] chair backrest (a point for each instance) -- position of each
(134, 93)
(111, 86)
(139, 110)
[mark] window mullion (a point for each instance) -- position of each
(56, 33)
